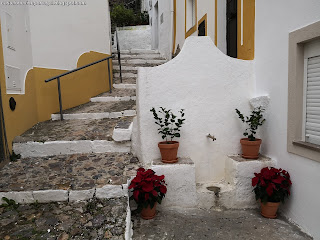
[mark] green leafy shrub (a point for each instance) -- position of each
(254, 121)
(169, 124)
(121, 16)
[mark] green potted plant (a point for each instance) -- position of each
(148, 190)
(271, 186)
(251, 145)
(169, 128)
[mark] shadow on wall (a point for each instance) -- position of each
(41, 99)
(209, 85)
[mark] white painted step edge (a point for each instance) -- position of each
(51, 148)
(46, 196)
(122, 134)
(113, 99)
(124, 86)
(125, 113)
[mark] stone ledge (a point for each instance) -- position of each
(238, 158)
(181, 161)
(47, 196)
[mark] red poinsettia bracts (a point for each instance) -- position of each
(148, 188)
(272, 184)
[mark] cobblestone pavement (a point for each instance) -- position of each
(224, 225)
(125, 80)
(75, 172)
(94, 219)
(101, 107)
(71, 130)
(119, 93)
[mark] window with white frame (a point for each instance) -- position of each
(191, 14)
(311, 105)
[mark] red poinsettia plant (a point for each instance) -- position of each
(271, 185)
(148, 188)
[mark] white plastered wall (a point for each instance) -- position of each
(222, 26)
(20, 56)
(274, 21)
(209, 86)
(61, 34)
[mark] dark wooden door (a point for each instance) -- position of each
(232, 28)
(202, 28)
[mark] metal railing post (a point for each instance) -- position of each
(109, 75)
(119, 57)
(60, 100)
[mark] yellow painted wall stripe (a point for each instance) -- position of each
(174, 25)
(246, 51)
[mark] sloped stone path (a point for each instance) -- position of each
(64, 172)
(71, 130)
(218, 225)
(94, 219)
(93, 107)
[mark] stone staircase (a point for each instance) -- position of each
(85, 157)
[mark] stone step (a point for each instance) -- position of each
(124, 80)
(70, 137)
(92, 219)
(118, 93)
(122, 131)
(133, 69)
(69, 173)
(112, 99)
(139, 56)
(124, 86)
(136, 51)
(140, 62)
(125, 75)
(99, 110)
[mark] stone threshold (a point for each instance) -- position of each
(95, 116)
(47, 196)
(50, 148)
(113, 99)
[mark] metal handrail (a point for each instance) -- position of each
(119, 53)
(75, 70)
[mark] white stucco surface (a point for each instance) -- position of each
(37, 149)
(19, 54)
(209, 86)
(61, 34)
(134, 37)
(271, 67)
(181, 193)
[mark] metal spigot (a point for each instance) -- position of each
(212, 137)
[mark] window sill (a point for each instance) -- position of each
(307, 145)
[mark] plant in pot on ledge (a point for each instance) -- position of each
(251, 144)
(271, 186)
(148, 190)
(169, 127)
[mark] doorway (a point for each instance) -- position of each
(202, 28)
(232, 28)
(156, 26)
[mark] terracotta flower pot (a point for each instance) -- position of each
(250, 149)
(169, 151)
(149, 213)
(269, 209)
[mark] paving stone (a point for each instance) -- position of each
(64, 172)
(70, 130)
(119, 93)
(224, 225)
(93, 107)
(63, 221)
